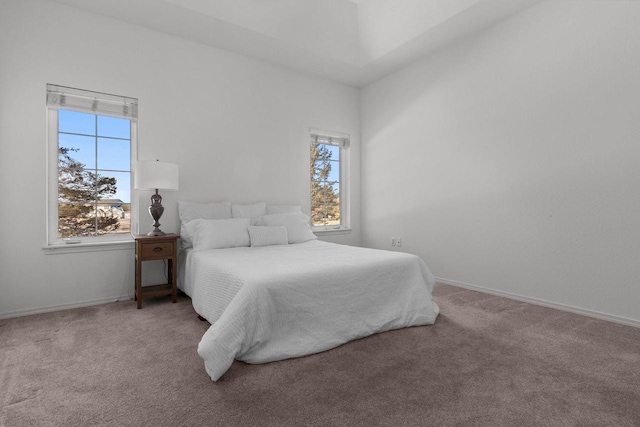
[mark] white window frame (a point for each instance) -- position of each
(60, 97)
(341, 140)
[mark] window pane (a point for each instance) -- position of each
(334, 151)
(80, 149)
(107, 220)
(334, 192)
(76, 122)
(318, 215)
(327, 192)
(321, 164)
(317, 203)
(114, 127)
(332, 214)
(76, 220)
(114, 154)
(334, 172)
(328, 214)
(325, 203)
(114, 217)
(122, 186)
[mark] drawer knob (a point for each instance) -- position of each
(157, 249)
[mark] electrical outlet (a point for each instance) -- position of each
(394, 242)
(399, 242)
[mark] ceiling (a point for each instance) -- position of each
(355, 42)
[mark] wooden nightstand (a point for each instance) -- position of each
(150, 248)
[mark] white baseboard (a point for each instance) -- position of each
(30, 311)
(563, 307)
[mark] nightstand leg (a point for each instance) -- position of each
(173, 281)
(138, 291)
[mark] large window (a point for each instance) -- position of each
(91, 141)
(329, 176)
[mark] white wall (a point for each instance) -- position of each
(511, 161)
(238, 128)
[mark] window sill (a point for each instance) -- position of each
(88, 247)
(330, 231)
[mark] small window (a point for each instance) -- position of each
(329, 176)
(91, 144)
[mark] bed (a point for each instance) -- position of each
(269, 302)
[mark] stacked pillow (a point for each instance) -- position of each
(267, 236)
(297, 225)
(219, 233)
(251, 211)
(226, 225)
(190, 211)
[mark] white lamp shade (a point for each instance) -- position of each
(154, 175)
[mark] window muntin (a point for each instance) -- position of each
(92, 140)
(328, 171)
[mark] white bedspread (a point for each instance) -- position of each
(276, 302)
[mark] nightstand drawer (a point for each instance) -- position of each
(160, 250)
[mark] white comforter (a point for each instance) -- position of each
(276, 302)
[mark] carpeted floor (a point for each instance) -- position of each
(488, 361)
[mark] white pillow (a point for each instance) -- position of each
(298, 229)
(278, 209)
(189, 211)
(218, 233)
(266, 236)
(253, 210)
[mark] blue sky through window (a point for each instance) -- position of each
(104, 139)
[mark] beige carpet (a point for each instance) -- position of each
(488, 361)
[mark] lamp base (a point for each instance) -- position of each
(155, 210)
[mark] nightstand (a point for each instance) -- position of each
(151, 248)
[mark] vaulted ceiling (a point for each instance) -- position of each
(351, 41)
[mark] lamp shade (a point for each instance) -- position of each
(154, 175)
